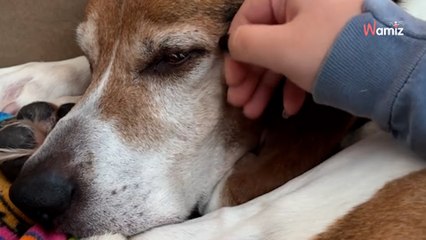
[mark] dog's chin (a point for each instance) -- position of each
(91, 229)
(95, 225)
(76, 228)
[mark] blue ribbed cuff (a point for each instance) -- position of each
(364, 74)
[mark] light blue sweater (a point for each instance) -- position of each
(380, 77)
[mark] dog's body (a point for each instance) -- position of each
(153, 127)
(344, 198)
(24, 84)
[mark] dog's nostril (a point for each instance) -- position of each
(43, 196)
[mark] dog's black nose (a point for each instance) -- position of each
(42, 197)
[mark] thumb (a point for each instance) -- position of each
(261, 45)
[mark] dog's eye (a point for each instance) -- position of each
(176, 58)
(173, 62)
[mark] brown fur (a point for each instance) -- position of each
(142, 20)
(396, 212)
(291, 147)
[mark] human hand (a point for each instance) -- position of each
(272, 38)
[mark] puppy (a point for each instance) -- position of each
(20, 137)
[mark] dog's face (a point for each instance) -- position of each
(153, 135)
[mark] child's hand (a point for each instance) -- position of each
(272, 38)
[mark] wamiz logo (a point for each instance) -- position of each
(373, 30)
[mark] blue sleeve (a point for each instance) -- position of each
(380, 77)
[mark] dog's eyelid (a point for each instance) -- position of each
(168, 61)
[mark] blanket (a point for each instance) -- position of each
(34, 233)
(14, 225)
(5, 116)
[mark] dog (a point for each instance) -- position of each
(22, 135)
(167, 122)
(152, 141)
(372, 190)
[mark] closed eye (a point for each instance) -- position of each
(173, 62)
(176, 59)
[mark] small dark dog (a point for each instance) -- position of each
(22, 135)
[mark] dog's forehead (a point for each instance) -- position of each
(165, 11)
(107, 20)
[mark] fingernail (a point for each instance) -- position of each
(285, 115)
(223, 43)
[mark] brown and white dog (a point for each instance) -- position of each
(152, 141)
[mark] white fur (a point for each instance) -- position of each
(293, 211)
(191, 152)
(87, 38)
(24, 84)
(107, 237)
(307, 205)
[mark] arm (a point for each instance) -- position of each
(380, 77)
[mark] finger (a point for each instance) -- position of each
(294, 98)
(268, 46)
(238, 96)
(235, 72)
(259, 12)
(257, 104)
